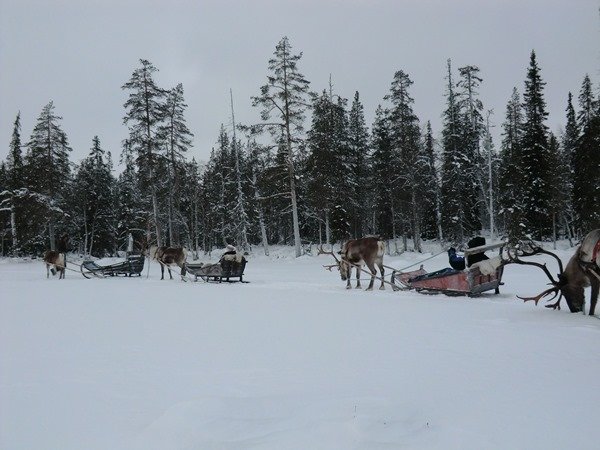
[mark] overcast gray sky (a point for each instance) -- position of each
(79, 53)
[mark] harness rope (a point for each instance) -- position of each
(418, 262)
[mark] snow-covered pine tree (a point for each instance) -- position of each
(586, 103)
(11, 197)
(383, 176)
(429, 187)
(48, 177)
(240, 216)
(94, 202)
(177, 138)
(535, 155)
(358, 147)
(220, 192)
(569, 141)
(256, 169)
(489, 176)
(457, 193)
(475, 168)
(145, 112)
(586, 162)
(510, 177)
(406, 141)
(283, 96)
(559, 197)
(131, 214)
(328, 173)
(190, 205)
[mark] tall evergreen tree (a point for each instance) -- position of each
(586, 103)
(383, 176)
(570, 139)
(94, 202)
(429, 188)
(474, 168)
(145, 112)
(510, 178)
(535, 155)
(358, 148)
(558, 196)
(13, 195)
(406, 138)
(175, 133)
(132, 206)
(586, 162)
(48, 173)
(328, 167)
(283, 96)
(459, 190)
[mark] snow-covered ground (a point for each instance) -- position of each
(290, 361)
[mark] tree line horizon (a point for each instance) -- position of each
(276, 182)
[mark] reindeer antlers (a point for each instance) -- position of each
(530, 248)
(320, 251)
(514, 258)
(547, 292)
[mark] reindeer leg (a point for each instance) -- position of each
(358, 286)
(382, 272)
(47, 271)
(170, 274)
(594, 296)
(162, 271)
(373, 274)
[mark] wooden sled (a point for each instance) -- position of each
(229, 270)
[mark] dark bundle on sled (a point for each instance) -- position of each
(132, 266)
(229, 269)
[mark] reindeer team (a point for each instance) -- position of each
(582, 270)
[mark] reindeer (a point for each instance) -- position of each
(166, 256)
(582, 270)
(55, 262)
(357, 253)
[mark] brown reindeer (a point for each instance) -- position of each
(167, 256)
(358, 253)
(55, 262)
(583, 270)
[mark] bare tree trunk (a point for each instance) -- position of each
(327, 228)
(568, 230)
(172, 242)
(261, 219)
(554, 229)
(416, 224)
(51, 236)
(92, 238)
(394, 226)
(85, 231)
(241, 211)
(155, 208)
(13, 227)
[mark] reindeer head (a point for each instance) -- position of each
(560, 286)
(345, 268)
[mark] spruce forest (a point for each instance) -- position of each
(310, 170)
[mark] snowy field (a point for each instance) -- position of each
(290, 361)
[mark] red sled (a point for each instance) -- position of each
(470, 282)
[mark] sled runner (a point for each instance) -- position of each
(133, 265)
(480, 277)
(229, 269)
